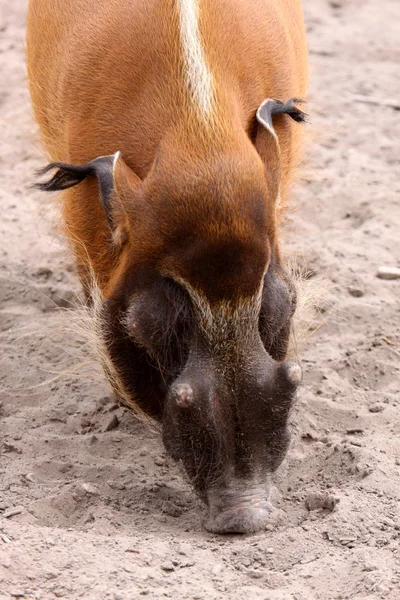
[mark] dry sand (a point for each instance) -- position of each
(89, 505)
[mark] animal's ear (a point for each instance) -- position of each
(266, 140)
(269, 108)
(125, 180)
(114, 177)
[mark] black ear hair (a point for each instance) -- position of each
(271, 107)
(69, 175)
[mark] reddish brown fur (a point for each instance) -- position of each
(99, 86)
(186, 249)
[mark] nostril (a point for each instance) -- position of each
(182, 393)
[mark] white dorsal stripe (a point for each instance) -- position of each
(198, 77)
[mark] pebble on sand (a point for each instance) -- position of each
(90, 489)
(318, 500)
(12, 512)
(376, 408)
(112, 423)
(388, 273)
(356, 292)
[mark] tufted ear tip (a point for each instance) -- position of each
(111, 172)
(270, 107)
(117, 157)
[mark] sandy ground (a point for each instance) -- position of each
(90, 507)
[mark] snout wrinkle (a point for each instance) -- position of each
(238, 511)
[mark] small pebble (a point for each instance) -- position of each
(116, 485)
(356, 443)
(189, 563)
(171, 510)
(388, 273)
(90, 488)
(356, 292)
(254, 574)
(111, 423)
(354, 430)
(184, 549)
(316, 500)
(11, 448)
(217, 569)
(376, 408)
(347, 541)
(12, 512)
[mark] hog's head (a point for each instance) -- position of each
(196, 316)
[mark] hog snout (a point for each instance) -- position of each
(237, 510)
(228, 425)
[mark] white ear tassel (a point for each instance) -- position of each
(116, 157)
(267, 123)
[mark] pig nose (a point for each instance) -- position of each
(238, 512)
